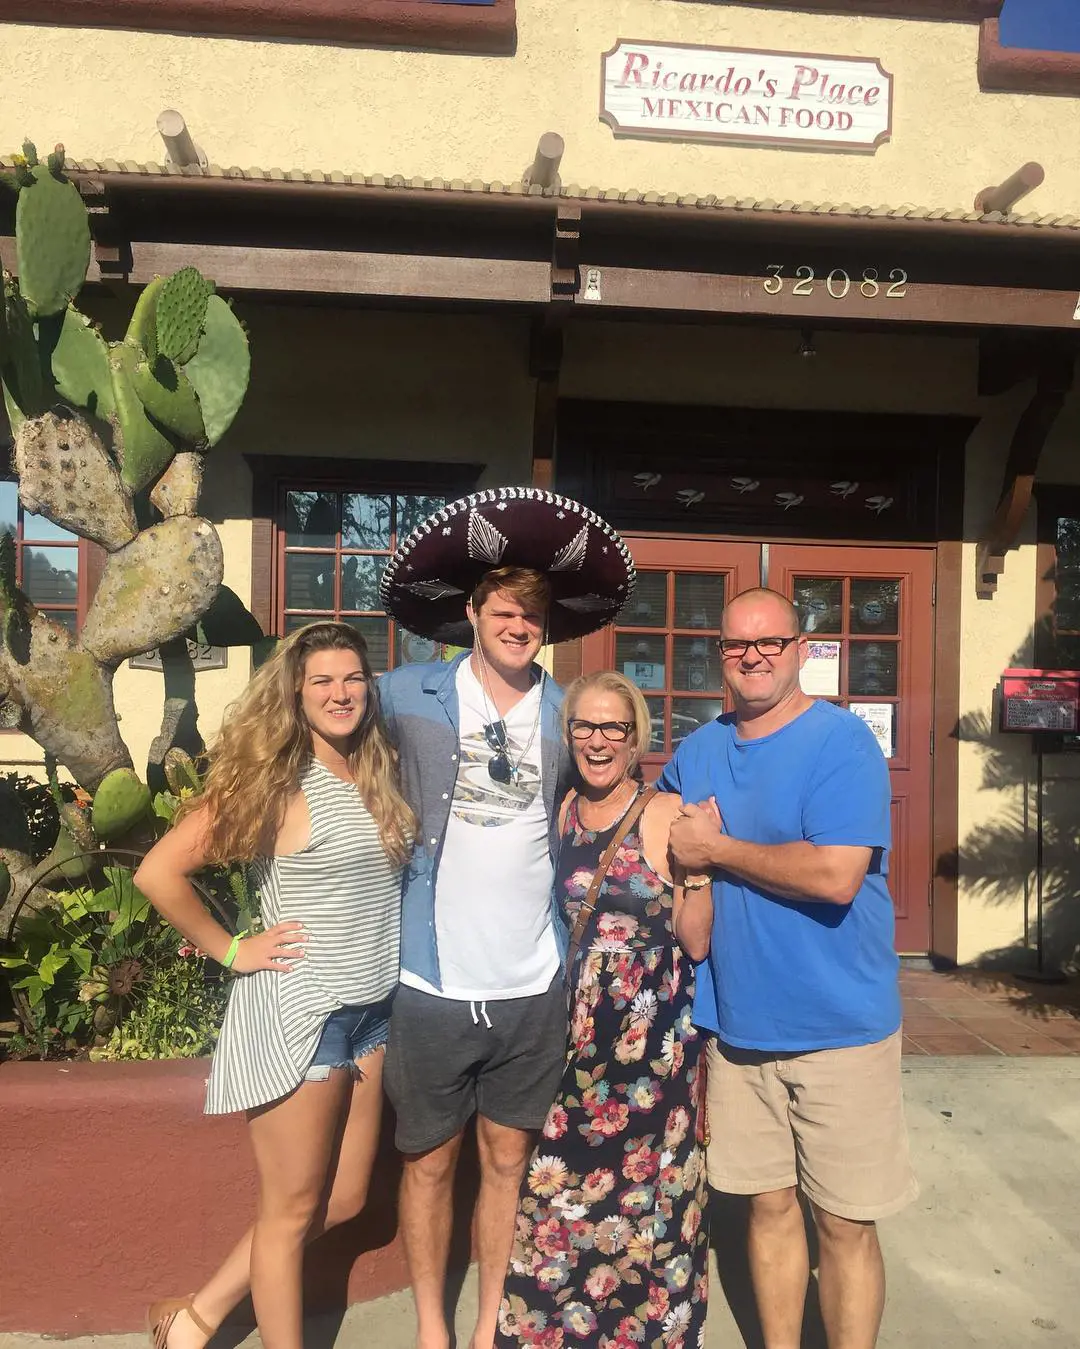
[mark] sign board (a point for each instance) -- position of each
(749, 97)
(1040, 700)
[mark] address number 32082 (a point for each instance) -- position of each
(838, 283)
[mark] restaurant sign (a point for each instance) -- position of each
(671, 92)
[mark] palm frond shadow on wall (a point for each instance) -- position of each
(996, 858)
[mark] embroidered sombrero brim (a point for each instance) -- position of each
(434, 571)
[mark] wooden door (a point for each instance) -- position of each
(870, 613)
(665, 640)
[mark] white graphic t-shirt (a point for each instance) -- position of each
(493, 889)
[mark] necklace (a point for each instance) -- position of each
(499, 738)
(602, 828)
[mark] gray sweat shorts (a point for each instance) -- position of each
(448, 1060)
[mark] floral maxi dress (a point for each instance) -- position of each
(610, 1247)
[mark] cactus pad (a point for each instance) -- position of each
(20, 360)
(66, 474)
(80, 366)
(220, 369)
(76, 820)
(53, 241)
(142, 330)
(154, 589)
(176, 492)
(181, 313)
(181, 773)
(120, 803)
(167, 394)
(5, 881)
(64, 863)
(143, 450)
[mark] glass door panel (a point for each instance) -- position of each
(665, 638)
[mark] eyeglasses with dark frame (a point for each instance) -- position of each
(499, 766)
(734, 648)
(615, 731)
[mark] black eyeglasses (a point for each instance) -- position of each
(499, 768)
(611, 730)
(736, 647)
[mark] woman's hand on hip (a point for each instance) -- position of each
(278, 948)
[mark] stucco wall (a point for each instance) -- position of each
(997, 771)
(291, 104)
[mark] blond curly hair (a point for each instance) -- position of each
(264, 745)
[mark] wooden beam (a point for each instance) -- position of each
(546, 339)
(335, 272)
(650, 290)
(835, 298)
(1052, 386)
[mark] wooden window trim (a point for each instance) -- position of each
(269, 471)
(1052, 501)
(452, 27)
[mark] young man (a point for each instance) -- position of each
(800, 986)
(479, 1022)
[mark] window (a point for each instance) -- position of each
(334, 547)
(665, 643)
(50, 564)
(1057, 625)
(323, 531)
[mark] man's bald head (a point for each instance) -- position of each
(762, 600)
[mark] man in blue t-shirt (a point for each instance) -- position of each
(800, 984)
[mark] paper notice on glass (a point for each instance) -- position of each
(820, 676)
(879, 717)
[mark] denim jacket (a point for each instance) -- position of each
(420, 705)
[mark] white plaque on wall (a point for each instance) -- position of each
(672, 92)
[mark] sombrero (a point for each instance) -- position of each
(429, 579)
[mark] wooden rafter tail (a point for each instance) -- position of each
(1053, 384)
(111, 243)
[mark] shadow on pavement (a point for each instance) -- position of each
(728, 1219)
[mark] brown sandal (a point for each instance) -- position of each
(161, 1315)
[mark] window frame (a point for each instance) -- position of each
(274, 475)
(1053, 502)
(89, 560)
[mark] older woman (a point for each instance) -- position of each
(610, 1247)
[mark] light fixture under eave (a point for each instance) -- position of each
(807, 350)
(181, 149)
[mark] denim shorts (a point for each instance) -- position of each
(349, 1034)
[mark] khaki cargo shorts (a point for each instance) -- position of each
(831, 1121)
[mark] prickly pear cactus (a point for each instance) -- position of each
(119, 804)
(52, 233)
(109, 436)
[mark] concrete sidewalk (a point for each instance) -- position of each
(988, 1256)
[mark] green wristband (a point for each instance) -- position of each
(230, 954)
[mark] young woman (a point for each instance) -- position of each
(610, 1248)
(302, 785)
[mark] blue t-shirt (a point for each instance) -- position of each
(785, 974)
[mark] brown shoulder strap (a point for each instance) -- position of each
(588, 904)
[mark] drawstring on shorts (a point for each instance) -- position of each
(483, 1013)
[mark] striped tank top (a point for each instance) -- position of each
(347, 894)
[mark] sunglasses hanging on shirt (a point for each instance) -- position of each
(500, 768)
